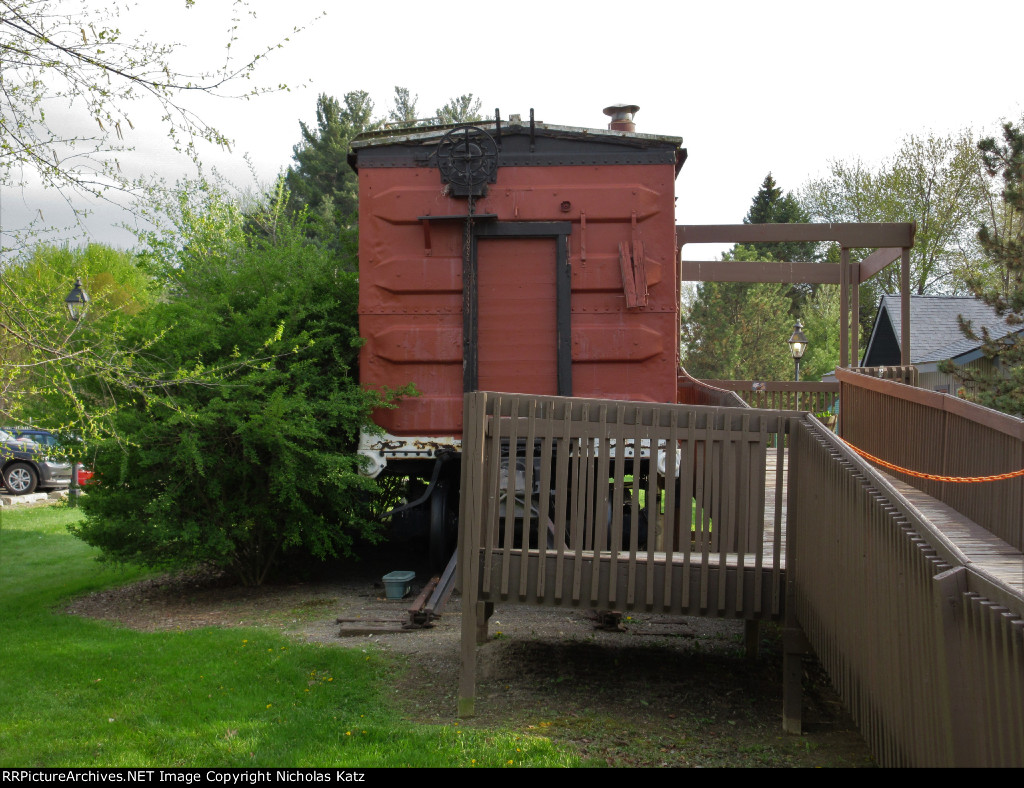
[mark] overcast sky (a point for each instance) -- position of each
(751, 87)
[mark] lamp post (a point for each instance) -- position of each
(76, 302)
(797, 348)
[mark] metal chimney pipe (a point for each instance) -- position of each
(622, 116)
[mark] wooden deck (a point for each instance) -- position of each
(988, 552)
(914, 609)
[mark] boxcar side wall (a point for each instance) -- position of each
(622, 220)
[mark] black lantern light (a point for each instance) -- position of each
(797, 347)
(77, 300)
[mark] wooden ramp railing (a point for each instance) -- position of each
(925, 646)
(928, 432)
(618, 505)
(743, 513)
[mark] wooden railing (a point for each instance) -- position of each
(933, 433)
(925, 648)
(569, 479)
(690, 391)
(907, 375)
(783, 395)
(620, 505)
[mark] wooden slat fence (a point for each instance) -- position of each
(555, 492)
(936, 433)
(816, 397)
(908, 374)
(926, 649)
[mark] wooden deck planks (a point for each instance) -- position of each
(989, 552)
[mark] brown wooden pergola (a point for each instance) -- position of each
(891, 241)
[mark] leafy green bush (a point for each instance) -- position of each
(247, 453)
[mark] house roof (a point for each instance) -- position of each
(935, 333)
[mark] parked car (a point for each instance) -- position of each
(53, 443)
(43, 437)
(26, 465)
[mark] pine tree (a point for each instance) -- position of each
(1004, 389)
(771, 206)
(321, 179)
(321, 173)
(738, 331)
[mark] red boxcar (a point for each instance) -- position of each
(513, 256)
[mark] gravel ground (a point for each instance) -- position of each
(666, 691)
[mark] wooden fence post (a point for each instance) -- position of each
(957, 684)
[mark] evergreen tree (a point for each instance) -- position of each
(1004, 389)
(738, 331)
(771, 206)
(321, 179)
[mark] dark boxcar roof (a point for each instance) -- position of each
(548, 145)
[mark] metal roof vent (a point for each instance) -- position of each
(622, 116)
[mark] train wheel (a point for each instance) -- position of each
(441, 526)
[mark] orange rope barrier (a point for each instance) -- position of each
(934, 476)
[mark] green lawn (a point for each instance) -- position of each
(78, 692)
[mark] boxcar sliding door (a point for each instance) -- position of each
(517, 302)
